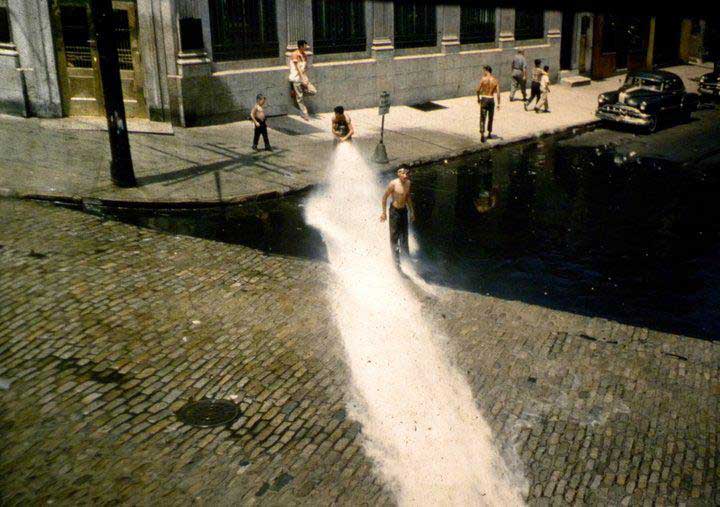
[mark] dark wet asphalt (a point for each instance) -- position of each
(578, 229)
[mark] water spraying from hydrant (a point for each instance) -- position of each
(421, 424)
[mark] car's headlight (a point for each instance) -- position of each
(601, 100)
(703, 79)
(643, 105)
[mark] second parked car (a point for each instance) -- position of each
(647, 98)
(709, 85)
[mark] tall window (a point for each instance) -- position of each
(338, 26)
(477, 24)
(243, 29)
(415, 24)
(529, 24)
(5, 35)
(76, 36)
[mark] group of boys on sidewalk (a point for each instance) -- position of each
(487, 90)
(341, 126)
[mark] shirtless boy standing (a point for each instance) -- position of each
(301, 85)
(399, 189)
(487, 90)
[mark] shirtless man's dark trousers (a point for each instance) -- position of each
(398, 232)
(487, 113)
(401, 210)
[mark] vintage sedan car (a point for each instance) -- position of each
(709, 85)
(646, 98)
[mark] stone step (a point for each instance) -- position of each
(575, 80)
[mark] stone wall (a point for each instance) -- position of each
(189, 88)
(12, 96)
(32, 37)
(217, 91)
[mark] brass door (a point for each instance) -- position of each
(78, 58)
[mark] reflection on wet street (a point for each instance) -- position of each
(582, 230)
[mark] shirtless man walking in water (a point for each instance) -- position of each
(399, 189)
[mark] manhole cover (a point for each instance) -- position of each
(208, 413)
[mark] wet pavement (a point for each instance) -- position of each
(109, 329)
(592, 361)
(589, 230)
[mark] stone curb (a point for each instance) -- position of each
(91, 202)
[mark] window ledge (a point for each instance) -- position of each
(479, 46)
(8, 49)
(343, 62)
(434, 54)
(531, 44)
(248, 65)
(253, 70)
(341, 57)
(481, 50)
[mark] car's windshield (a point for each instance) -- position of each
(642, 82)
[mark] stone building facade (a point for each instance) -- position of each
(202, 61)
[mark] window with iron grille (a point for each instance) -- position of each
(76, 36)
(529, 24)
(243, 29)
(415, 24)
(338, 26)
(477, 24)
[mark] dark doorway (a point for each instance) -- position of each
(711, 42)
(568, 40)
(667, 41)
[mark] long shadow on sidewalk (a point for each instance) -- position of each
(234, 162)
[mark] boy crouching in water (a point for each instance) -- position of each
(342, 127)
(258, 117)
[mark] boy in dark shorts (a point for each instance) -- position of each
(258, 117)
(536, 75)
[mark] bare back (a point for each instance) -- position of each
(488, 86)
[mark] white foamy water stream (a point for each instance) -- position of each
(421, 424)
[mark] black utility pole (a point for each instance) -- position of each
(121, 168)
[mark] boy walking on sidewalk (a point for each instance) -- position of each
(544, 91)
(258, 117)
(537, 73)
(487, 90)
(518, 75)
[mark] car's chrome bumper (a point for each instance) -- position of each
(709, 89)
(623, 115)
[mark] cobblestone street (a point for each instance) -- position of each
(107, 329)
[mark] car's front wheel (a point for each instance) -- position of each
(652, 126)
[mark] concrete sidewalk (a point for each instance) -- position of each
(211, 165)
